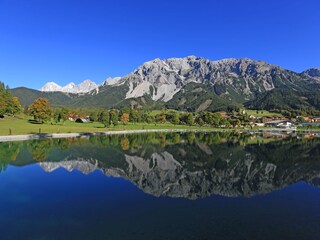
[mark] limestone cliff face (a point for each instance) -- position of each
(162, 79)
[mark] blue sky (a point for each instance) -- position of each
(73, 40)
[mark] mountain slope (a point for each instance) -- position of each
(241, 79)
(27, 96)
(196, 84)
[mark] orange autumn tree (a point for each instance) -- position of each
(40, 109)
(124, 118)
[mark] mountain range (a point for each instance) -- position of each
(192, 83)
(84, 87)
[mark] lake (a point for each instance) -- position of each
(161, 186)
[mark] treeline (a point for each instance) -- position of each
(8, 105)
(41, 150)
(41, 111)
(126, 115)
(289, 102)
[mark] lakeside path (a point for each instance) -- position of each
(26, 137)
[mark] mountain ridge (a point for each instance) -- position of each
(83, 87)
(194, 83)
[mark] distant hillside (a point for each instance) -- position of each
(27, 96)
(286, 99)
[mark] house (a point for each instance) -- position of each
(82, 120)
(259, 124)
(72, 117)
(308, 119)
(316, 120)
(266, 119)
(285, 124)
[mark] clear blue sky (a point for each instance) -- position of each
(74, 40)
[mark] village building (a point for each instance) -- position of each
(285, 124)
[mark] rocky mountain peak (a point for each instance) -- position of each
(111, 81)
(162, 79)
(313, 73)
(50, 87)
(84, 87)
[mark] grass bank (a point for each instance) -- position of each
(21, 126)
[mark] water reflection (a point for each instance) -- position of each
(189, 165)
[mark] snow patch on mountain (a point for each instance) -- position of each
(50, 87)
(84, 87)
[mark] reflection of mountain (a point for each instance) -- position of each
(226, 167)
(81, 165)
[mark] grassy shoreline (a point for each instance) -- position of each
(15, 126)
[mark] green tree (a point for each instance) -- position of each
(7, 103)
(104, 118)
(2, 106)
(114, 117)
(150, 119)
(133, 116)
(94, 116)
(199, 121)
(175, 118)
(161, 118)
(125, 110)
(60, 115)
(189, 119)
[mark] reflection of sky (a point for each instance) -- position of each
(63, 205)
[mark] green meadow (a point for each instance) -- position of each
(21, 125)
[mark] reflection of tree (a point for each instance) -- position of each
(114, 140)
(175, 138)
(40, 149)
(124, 142)
(8, 152)
(94, 139)
(190, 137)
(104, 140)
(63, 143)
(150, 137)
(135, 140)
(194, 164)
(162, 140)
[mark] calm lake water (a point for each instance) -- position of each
(161, 186)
